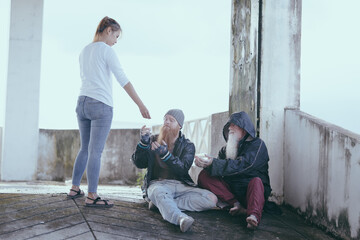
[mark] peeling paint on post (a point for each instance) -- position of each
(244, 48)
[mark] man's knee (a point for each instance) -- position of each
(203, 200)
(159, 190)
(156, 192)
(256, 180)
(213, 198)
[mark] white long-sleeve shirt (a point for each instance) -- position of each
(97, 61)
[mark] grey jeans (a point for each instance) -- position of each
(94, 119)
(172, 196)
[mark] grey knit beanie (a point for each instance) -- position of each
(177, 114)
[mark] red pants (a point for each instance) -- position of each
(253, 201)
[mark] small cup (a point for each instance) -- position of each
(203, 157)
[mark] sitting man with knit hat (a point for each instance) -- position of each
(167, 184)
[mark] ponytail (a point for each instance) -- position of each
(104, 24)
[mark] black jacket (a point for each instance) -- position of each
(252, 159)
(179, 162)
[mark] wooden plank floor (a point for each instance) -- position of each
(51, 216)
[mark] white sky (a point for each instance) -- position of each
(177, 55)
(330, 65)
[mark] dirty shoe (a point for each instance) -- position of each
(185, 223)
(152, 206)
(252, 222)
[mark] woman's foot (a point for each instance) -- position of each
(75, 192)
(93, 200)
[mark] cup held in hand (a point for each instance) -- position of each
(204, 158)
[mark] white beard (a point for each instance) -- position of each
(232, 146)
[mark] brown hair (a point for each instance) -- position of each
(104, 24)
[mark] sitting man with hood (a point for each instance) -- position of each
(240, 173)
(167, 184)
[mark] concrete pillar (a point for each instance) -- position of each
(280, 79)
(1, 144)
(4, 44)
(23, 85)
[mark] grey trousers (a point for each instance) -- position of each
(172, 197)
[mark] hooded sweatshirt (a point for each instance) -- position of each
(251, 161)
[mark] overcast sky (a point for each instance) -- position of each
(177, 55)
(330, 65)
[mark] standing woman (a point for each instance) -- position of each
(95, 107)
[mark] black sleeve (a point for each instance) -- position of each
(141, 156)
(181, 164)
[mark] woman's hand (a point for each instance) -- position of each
(132, 93)
(144, 112)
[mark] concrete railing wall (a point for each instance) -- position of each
(58, 150)
(322, 173)
(1, 139)
(217, 141)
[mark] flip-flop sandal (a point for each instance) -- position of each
(105, 205)
(77, 195)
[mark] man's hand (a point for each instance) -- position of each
(203, 161)
(161, 150)
(145, 135)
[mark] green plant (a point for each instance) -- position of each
(140, 177)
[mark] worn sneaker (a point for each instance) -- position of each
(152, 206)
(252, 222)
(185, 223)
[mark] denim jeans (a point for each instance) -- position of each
(94, 119)
(172, 196)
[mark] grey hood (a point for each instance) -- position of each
(242, 120)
